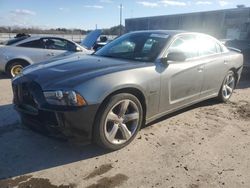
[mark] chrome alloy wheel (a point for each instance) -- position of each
(121, 122)
(228, 86)
(15, 70)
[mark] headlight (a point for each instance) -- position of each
(64, 98)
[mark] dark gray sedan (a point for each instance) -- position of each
(135, 79)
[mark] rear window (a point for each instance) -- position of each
(208, 46)
(15, 40)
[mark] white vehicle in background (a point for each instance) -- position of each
(20, 52)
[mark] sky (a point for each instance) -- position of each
(86, 14)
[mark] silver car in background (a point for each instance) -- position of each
(20, 52)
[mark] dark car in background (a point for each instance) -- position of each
(242, 45)
(135, 79)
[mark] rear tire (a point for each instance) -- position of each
(118, 121)
(227, 87)
(15, 68)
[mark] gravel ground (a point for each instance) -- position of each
(206, 145)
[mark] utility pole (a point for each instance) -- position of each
(121, 19)
(9, 32)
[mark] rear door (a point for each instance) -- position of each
(181, 82)
(215, 66)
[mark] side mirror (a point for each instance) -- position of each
(175, 57)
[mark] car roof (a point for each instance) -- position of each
(167, 32)
(44, 36)
(31, 38)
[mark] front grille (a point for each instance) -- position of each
(44, 118)
(15, 95)
(22, 95)
(27, 96)
(42, 122)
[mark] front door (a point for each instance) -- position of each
(181, 82)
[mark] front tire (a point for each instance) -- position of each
(227, 87)
(118, 121)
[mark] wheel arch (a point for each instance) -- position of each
(234, 70)
(15, 60)
(133, 91)
(130, 90)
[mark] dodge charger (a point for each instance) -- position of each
(106, 97)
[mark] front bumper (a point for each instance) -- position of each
(67, 124)
(60, 122)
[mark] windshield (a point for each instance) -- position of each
(15, 40)
(135, 46)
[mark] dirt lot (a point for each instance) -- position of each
(207, 145)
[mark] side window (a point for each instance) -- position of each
(58, 44)
(32, 44)
(71, 46)
(207, 46)
(185, 44)
(124, 47)
(148, 45)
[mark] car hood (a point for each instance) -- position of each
(91, 38)
(70, 72)
(71, 56)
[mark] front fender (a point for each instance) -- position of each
(146, 80)
(96, 90)
(125, 86)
